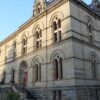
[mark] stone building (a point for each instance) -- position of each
(56, 53)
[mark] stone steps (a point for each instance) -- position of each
(5, 89)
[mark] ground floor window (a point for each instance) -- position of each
(57, 95)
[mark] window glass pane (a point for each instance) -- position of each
(59, 23)
(39, 72)
(94, 70)
(60, 36)
(36, 72)
(56, 69)
(55, 37)
(54, 95)
(37, 35)
(61, 68)
(59, 95)
(40, 33)
(90, 38)
(54, 26)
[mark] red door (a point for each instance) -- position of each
(25, 79)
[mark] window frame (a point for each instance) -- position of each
(90, 30)
(24, 46)
(57, 30)
(58, 68)
(38, 38)
(37, 67)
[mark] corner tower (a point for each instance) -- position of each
(95, 5)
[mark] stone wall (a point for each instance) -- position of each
(67, 93)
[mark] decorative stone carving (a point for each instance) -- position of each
(95, 5)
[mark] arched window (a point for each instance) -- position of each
(14, 50)
(24, 46)
(58, 67)
(57, 29)
(14, 44)
(23, 74)
(89, 26)
(12, 76)
(94, 66)
(4, 77)
(37, 68)
(38, 38)
(6, 49)
(90, 30)
(39, 8)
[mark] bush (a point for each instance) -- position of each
(13, 96)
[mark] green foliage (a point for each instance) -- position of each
(13, 96)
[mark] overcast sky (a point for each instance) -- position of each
(14, 13)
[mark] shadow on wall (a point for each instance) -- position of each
(13, 73)
(9, 68)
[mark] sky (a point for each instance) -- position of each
(13, 13)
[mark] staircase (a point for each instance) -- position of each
(24, 93)
(4, 90)
(19, 90)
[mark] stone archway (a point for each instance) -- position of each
(23, 74)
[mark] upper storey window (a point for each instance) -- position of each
(24, 46)
(14, 47)
(38, 38)
(57, 29)
(6, 48)
(14, 44)
(90, 30)
(89, 26)
(39, 8)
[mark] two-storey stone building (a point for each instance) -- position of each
(56, 53)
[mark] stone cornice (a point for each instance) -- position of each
(13, 35)
(50, 8)
(86, 8)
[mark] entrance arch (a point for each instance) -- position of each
(23, 74)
